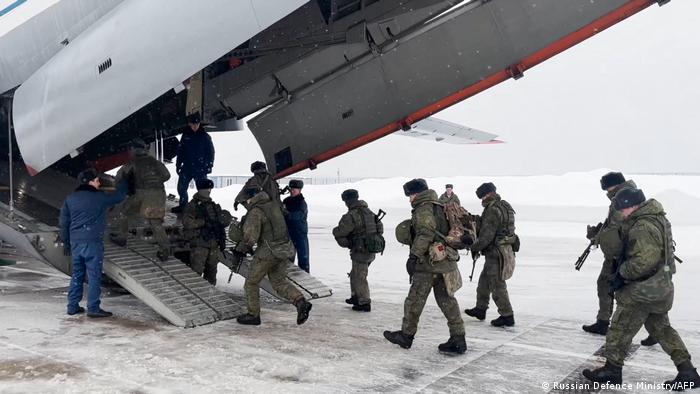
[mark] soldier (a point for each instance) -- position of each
(496, 240)
(204, 224)
(429, 270)
(195, 158)
(261, 179)
(608, 240)
(448, 196)
(146, 177)
(643, 289)
(264, 226)
(83, 220)
(351, 233)
(297, 212)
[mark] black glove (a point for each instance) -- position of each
(617, 283)
(467, 239)
(411, 264)
(591, 232)
(66, 249)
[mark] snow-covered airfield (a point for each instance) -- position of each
(338, 350)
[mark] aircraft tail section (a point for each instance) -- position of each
(402, 79)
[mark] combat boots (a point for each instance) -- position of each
(456, 344)
(248, 320)
(476, 312)
(362, 308)
(608, 373)
(117, 239)
(508, 321)
(600, 327)
(303, 309)
(687, 378)
(649, 341)
(352, 300)
(399, 338)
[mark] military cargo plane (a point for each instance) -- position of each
(313, 79)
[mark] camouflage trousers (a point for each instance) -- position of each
(359, 288)
(276, 271)
(605, 300)
(628, 320)
(145, 203)
(421, 285)
(491, 285)
(204, 259)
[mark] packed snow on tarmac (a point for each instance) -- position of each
(338, 350)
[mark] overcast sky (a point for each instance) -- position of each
(627, 99)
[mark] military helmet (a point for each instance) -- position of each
(204, 183)
(485, 189)
(235, 231)
(350, 195)
(404, 232)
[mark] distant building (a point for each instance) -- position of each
(230, 180)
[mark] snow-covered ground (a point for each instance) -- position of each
(338, 350)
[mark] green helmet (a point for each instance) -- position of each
(235, 230)
(404, 232)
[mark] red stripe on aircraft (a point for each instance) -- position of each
(588, 31)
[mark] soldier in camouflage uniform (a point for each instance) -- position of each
(442, 277)
(204, 224)
(643, 289)
(350, 234)
(608, 240)
(448, 196)
(497, 223)
(261, 179)
(265, 227)
(146, 177)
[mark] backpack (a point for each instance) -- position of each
(372, 236)
(461, 229)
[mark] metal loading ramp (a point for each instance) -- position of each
(169, 287)
(309, 286)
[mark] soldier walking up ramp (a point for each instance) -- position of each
(309, 286)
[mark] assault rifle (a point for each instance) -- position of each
(475, 257)
(582, 258)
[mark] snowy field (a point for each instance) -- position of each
(338, 350)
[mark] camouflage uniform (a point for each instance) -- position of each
(146, 177)
(445, 199)
(265, 182)
(497, 220)
(647, 268)
(609, 243)
(349, 233)
(204, 226)
(265, 227)
(436, 276)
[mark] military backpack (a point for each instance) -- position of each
(371, 236)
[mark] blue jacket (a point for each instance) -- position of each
(84, 214)
(195, 154)
(296, 218)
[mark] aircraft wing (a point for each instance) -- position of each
(439, 130)
(125, 60)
